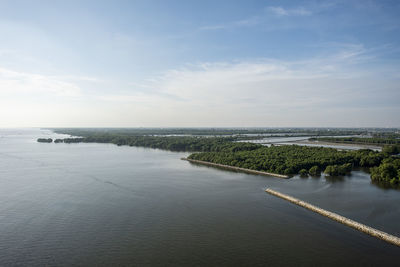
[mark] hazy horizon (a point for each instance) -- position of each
(230, 64)
(202, 127)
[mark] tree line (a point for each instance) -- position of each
(45, 140)
(359, 140)
(288, 160)
(173, 143)
(294, 159)
(85, 132)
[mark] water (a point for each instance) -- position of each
(104, 205)
(303, 141)
(337, 146)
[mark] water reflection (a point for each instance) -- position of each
(386, 185)
(335, 179)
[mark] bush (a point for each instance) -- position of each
(391, 150)
(303, 172)
(314, 171)
(336, 170)
(45, 140)
(332, 170)
(347, 167)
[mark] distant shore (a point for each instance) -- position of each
(366, 146)
(237, 168)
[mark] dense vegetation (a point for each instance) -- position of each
(359, 140)
(295, 159)
(85, 132)
(395, 133)
(336, 170)
(45, 140)
(173, 143)
(288, 160)
(389, 169)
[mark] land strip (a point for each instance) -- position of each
(353, 224)
(375, 147)
(237, 168)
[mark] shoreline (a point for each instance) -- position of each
(341, 219)
(249, 171)
(362, 145)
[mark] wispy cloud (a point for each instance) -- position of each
(261, 92)
(14, 82)
(281, 11)
(259, 19)
(261, 88)
(247, 22)
(214, 27)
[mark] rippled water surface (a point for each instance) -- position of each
(104, 205)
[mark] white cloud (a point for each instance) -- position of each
(330, 90)
(260, 19)
(14, 82)
(247, 22)
(314, 92)
(214, 27)
(280, 11)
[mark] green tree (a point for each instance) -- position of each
(303, 173)
(315, 171)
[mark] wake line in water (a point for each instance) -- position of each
(95, 178)
(323, 188)
(45, 164)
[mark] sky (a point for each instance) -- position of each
(199, 63)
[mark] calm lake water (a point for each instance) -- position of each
(104, 205)
(302, 141)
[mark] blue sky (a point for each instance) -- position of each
(199, 63)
